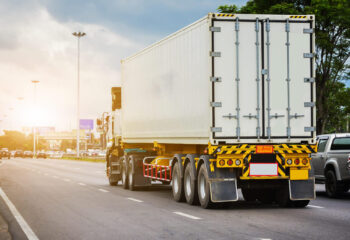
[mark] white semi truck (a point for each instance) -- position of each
(227, 102)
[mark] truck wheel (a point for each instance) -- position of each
(124, 175)
(190, 186)
(203, 188)
(282, 197)
(177, 184)
(346, 187)
(248, 195)
(333, 189)
(112, 179)
(131, 175)
(300, 203)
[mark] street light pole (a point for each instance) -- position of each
(34, 124)
(78, 35)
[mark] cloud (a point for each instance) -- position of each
(38, 46)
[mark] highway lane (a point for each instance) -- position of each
(63, 199)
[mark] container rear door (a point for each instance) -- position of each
(238, 88)
(288, 94)
(262, 79)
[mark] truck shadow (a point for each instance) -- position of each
(323, 194)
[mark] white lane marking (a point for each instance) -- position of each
(187, 215)
(66, 179)
(134, 199)
(82, 184)
(102, 190)
(314, 206)
(98, 171)
(265, 239)
(24, 225)
(77, 168)
(55, 177)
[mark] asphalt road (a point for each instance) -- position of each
(62, 199)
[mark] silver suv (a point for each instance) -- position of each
(331, 163)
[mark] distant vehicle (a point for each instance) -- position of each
(28, 154)
(18, 153)
(331, 163)
(102, 153)
(5, 153)
(41, 155)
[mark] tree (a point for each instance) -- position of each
(332, 49)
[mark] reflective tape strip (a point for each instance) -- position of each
(225, 15)
(303, 17)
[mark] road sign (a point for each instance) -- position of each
(87, 124)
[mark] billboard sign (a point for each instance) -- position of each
(87, 124)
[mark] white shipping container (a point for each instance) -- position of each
(224, 79)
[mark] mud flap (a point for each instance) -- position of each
(141, 181)
(223, 190)
(302, 189)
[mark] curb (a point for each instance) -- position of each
(4, 230)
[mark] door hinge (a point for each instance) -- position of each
(308, 30)
(215, 54)
(309, 129)
(215, 104)
(309, 55)
(309, 80)
(215, 29)
(215, 79)
(309, 104)
(216, 129)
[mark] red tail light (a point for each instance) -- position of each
(296, 161)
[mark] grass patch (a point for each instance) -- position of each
(84, 159)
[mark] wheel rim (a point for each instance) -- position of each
(175, 184)
(202, 184)
(188, 184)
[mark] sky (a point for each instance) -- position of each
(36, 43)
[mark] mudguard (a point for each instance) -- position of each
(222, 182)
(135, 162)
(302, 189)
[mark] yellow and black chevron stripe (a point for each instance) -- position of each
(298, 17)
(224, 15)
(282, 172)
(294, 148)
(247, 149)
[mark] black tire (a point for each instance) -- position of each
(300, 203)
(125, 182)
(249, 194)
(203, 188)
(190, 186)
(131, 175)
(333, 188)
(282, 197)
(346, 187)
(177, 184)
(113, 180)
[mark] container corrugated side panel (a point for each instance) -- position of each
(166, 89)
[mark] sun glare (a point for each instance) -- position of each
(36, 117)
